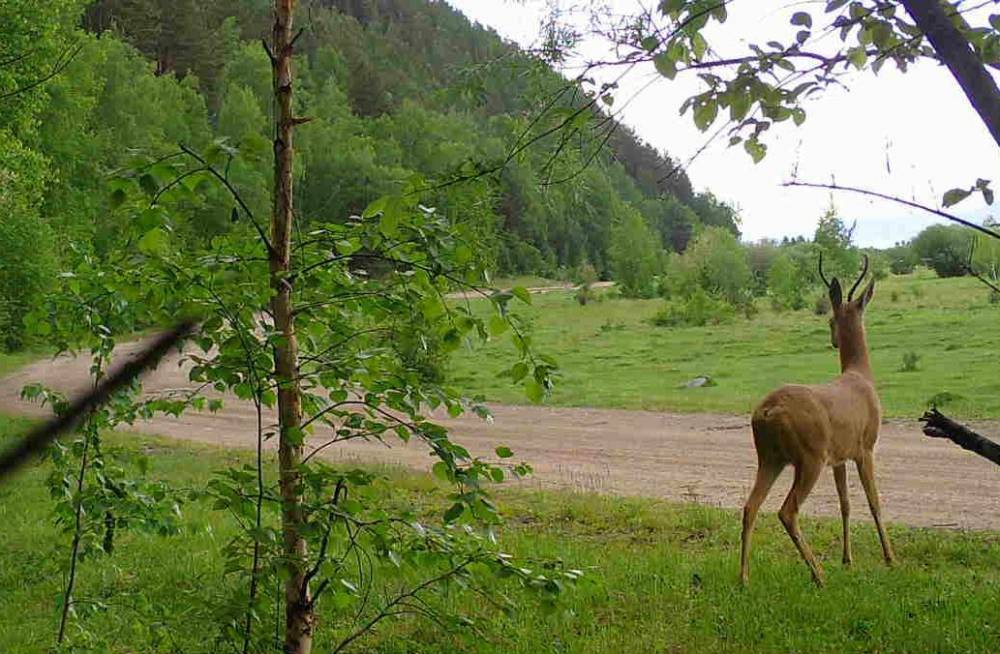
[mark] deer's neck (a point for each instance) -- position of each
(854, 353)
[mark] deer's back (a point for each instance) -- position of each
(835, 421)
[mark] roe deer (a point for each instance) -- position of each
(810, 427)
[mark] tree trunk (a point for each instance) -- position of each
(956, 53)
(938, 425)
(299, 617)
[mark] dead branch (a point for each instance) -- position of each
(938, 425)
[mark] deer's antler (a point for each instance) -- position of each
(864, 271)
(821, 275)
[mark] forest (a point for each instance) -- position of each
(394, 90)
(347, 325)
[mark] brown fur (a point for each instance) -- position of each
(811, 427)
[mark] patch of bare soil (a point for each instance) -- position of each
(701, 458)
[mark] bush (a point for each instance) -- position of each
(821, 306)
(910, 360)
(761, 256)
(902, 259)
(944, 248)
(787, 282)
(698, 310)
(715, 265)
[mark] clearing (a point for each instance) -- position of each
(705, 458)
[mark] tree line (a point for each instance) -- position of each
(394, 91)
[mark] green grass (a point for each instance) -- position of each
(662, 578)
(612, 356)
(11, 361)
(528, 281)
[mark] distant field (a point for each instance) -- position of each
(612, 356)
(661, 578)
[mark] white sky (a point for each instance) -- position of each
(921, 120)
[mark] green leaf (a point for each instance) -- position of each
(504, 452)
(155, 242)
(649, 43)
(117, 198)
(704, 114)
(802, 18)
(798, 115)
(858, 57)
(665, 65)
(522, 294)
(954, 196)
(148, 184)
(699, 46)
(739, 105)
(453, 514)
(533, 390)
(497, 324)
(441, 471)
(755, 149)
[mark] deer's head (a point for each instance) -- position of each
(846, 324)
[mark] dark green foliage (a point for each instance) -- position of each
(910, 360)
(403, 87)
(945, 249)
(789, 278)
(27, 264)
(715, 264)
(635, 257)
(821, 306)
(696, 310)
(902, 258)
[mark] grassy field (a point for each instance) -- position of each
(662, 578)
(612, 356)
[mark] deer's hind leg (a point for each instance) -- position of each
(840, 477)
(806, 474)
(767, 472)
(866, 470)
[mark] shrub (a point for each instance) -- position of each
(761, 256)
(787, 283)
(902, 259)
(910, 360)
(697, 310)
(715, 265)
(944, 248)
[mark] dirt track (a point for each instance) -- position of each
(702, 458)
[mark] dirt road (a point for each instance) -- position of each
(700, 458)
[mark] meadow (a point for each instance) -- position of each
(659, 577)
(611, 355)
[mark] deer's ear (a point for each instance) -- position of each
(836, 294)
(866, 297)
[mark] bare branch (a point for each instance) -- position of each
(898, 200)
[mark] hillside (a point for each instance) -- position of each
(403, 87)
